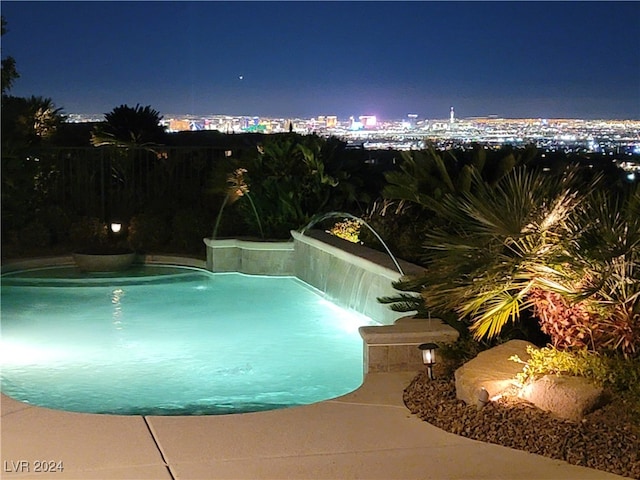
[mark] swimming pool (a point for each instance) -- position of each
(164, 340)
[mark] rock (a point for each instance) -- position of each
(570, 398)
(607, 439)
(491, 370)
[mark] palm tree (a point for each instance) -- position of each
(423, 178)
(128, 126)
(28, 121)
(45, 116)
(422, 175)
(426, 175)
(498, 244)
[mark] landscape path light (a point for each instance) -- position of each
(116, 227)
(429, 357)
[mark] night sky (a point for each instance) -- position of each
(286, 59)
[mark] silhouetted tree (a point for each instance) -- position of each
(9, 72)
(28, 121)
(128, 126)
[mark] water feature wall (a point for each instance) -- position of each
(350, 280)
(250, 257)
(350, 275)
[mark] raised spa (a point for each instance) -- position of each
(163, 340)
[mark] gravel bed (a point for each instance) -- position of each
(607, 439)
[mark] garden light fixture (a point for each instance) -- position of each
(429, 357)
(483, 398)
(116, 227)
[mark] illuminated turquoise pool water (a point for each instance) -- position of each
(173, 341)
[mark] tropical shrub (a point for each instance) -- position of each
(87, 232)
(28, 122)
(568, 324)
(607, 250)
(188, 228)
(149, 232)
(57, 221)
(592, 323)
(286, 185)
(422, 179)
(401, 224)
(612, 371)
(34, 234)
(498, 242)
(427, 175)
(545, 244)
(598, 305)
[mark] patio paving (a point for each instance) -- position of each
(367, 434)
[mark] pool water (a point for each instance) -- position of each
(173, 341)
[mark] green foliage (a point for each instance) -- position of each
(551, 361)
(57, 221)
(353, 184)
(28, 122)
(537, 242)
(188, 227)
(425, 176)
(149, 232)
(87, 232)
(598, 305)
(499, 242)
(409, 300)
(287, 184)
(401, 224)
(9, 73)
(35, 234)
(613, 371)
(423, 179)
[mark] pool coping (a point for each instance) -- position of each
(368, 433)
(10, 265)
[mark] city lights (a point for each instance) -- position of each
(612, 137)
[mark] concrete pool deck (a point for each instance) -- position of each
(367, 434)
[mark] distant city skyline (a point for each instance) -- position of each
(303, 59)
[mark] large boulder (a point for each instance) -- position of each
(491, 372)
(570, 398)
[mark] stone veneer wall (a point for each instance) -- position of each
(394, 348)
(351, 281)
(253, 258)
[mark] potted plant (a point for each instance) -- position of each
(100, 248)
